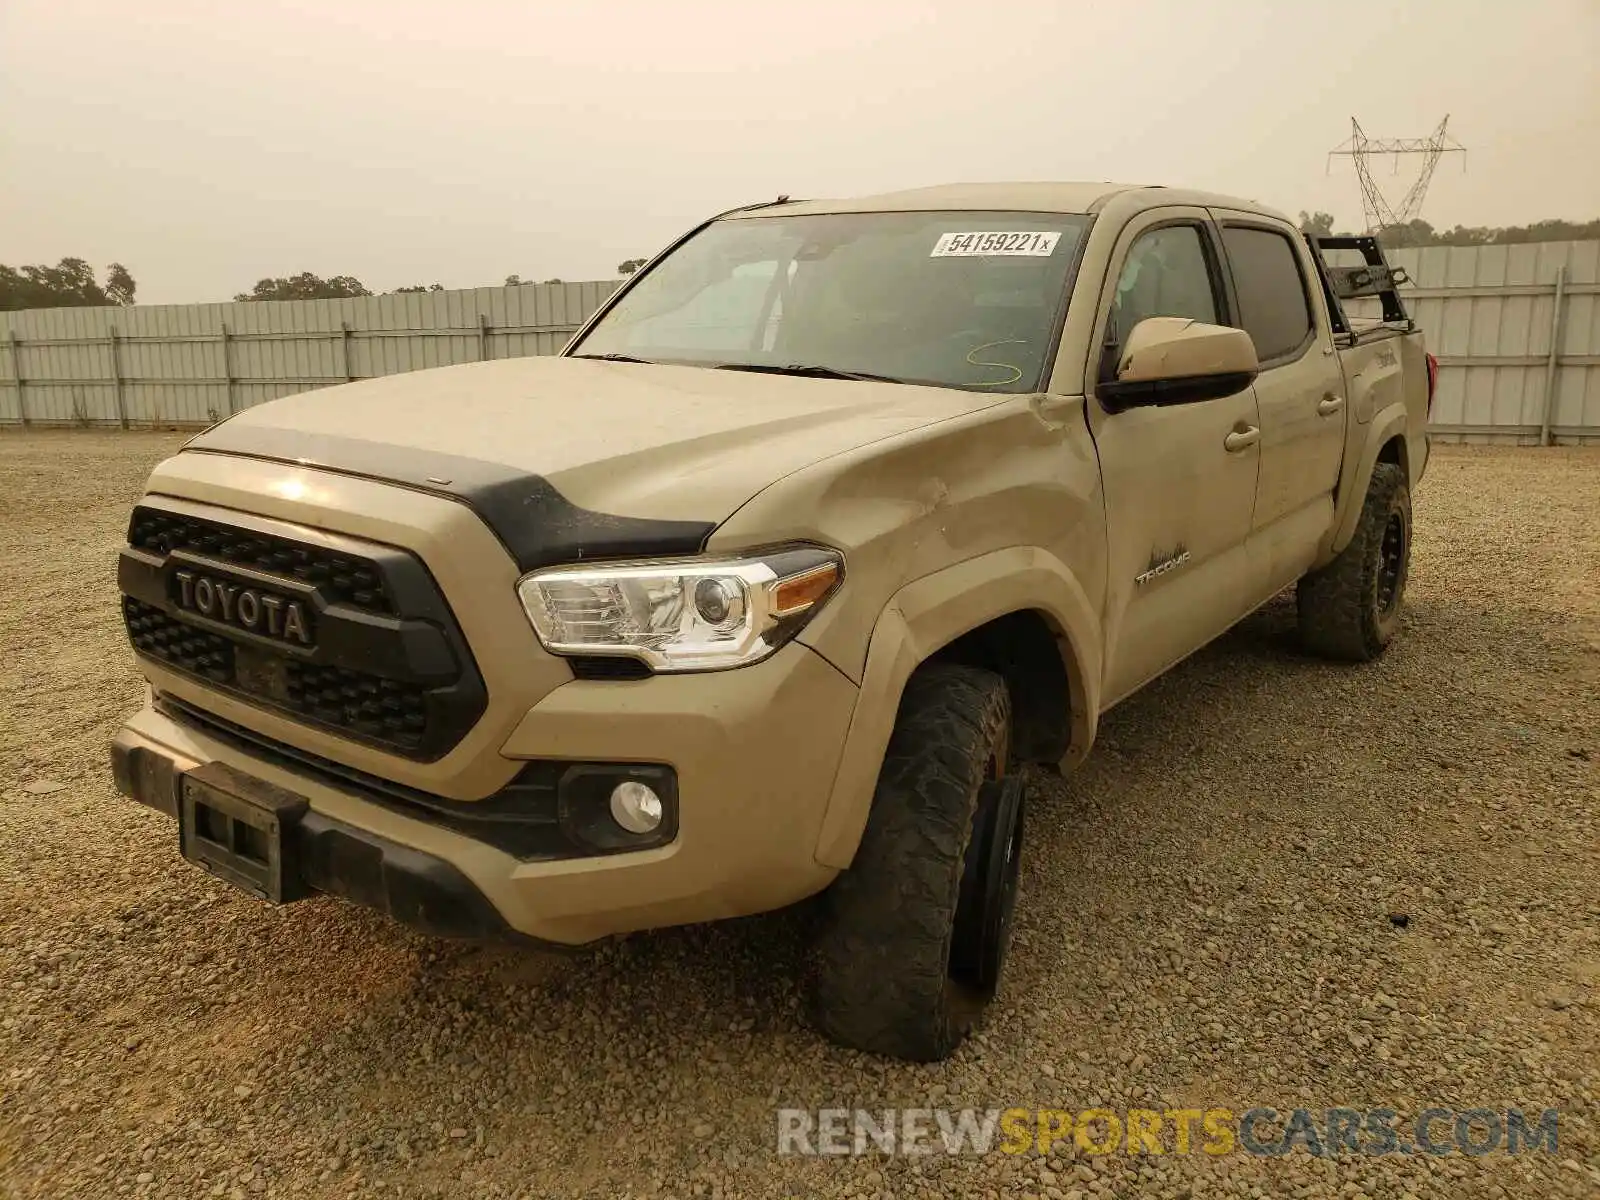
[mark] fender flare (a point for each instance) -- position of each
(1385, 426)
(930, 613)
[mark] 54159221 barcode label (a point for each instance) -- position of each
(971, 245)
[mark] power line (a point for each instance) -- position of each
(1361, 149)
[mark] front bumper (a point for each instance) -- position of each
(327, 855)
(755, 752)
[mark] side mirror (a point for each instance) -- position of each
(1173, 360)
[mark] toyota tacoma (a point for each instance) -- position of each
(832, 519)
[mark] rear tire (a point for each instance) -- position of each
(914, 933)
(1350, 609)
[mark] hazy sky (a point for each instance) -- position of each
(207, 144)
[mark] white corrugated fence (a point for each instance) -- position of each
(192, 364)
(1517, 333)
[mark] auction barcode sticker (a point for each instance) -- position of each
(967, 245)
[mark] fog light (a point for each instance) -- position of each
(636, 807)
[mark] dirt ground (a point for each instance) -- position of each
(1277, 882)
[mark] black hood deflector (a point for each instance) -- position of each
(537, 524)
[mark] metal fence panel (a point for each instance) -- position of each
(193, 364)
(1488, 312)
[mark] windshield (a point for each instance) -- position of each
(956, 299)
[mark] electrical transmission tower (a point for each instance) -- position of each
(1362, 150)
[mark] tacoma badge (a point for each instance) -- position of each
(1160, 566)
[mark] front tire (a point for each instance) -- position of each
(1350, 609)
(914, 933)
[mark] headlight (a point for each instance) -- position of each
(688, 614)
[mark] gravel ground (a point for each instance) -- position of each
(1209, 918)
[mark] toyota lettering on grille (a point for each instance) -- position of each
(248, 608)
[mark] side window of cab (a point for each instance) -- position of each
(1167, 273)
(1273, 294)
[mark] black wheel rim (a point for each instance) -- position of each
(1391, 562)
(989, 886)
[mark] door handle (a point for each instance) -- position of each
(1241, 439)
(1330, 404)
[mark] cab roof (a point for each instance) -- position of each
(1002, 197)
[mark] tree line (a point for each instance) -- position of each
(1418, 232)
(70, 283)
(307, 286)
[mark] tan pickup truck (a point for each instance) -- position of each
(832, 519)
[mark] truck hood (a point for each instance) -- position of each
(568, 458)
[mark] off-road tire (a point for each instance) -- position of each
(1350, 609)
(881, 979)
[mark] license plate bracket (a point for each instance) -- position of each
(238, 828)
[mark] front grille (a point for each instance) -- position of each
(178, 645)
(381, 708)
(342, 578)
(386, 665)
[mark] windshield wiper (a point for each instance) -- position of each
(807, 370)
(613, 358)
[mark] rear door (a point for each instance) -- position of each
(1180, 480)
(1300, 391)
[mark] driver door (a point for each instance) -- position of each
(1179, 479)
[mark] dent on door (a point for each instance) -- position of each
(1375, 384)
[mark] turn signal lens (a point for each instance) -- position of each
(799, 592)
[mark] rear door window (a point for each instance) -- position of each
(1273, 308)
